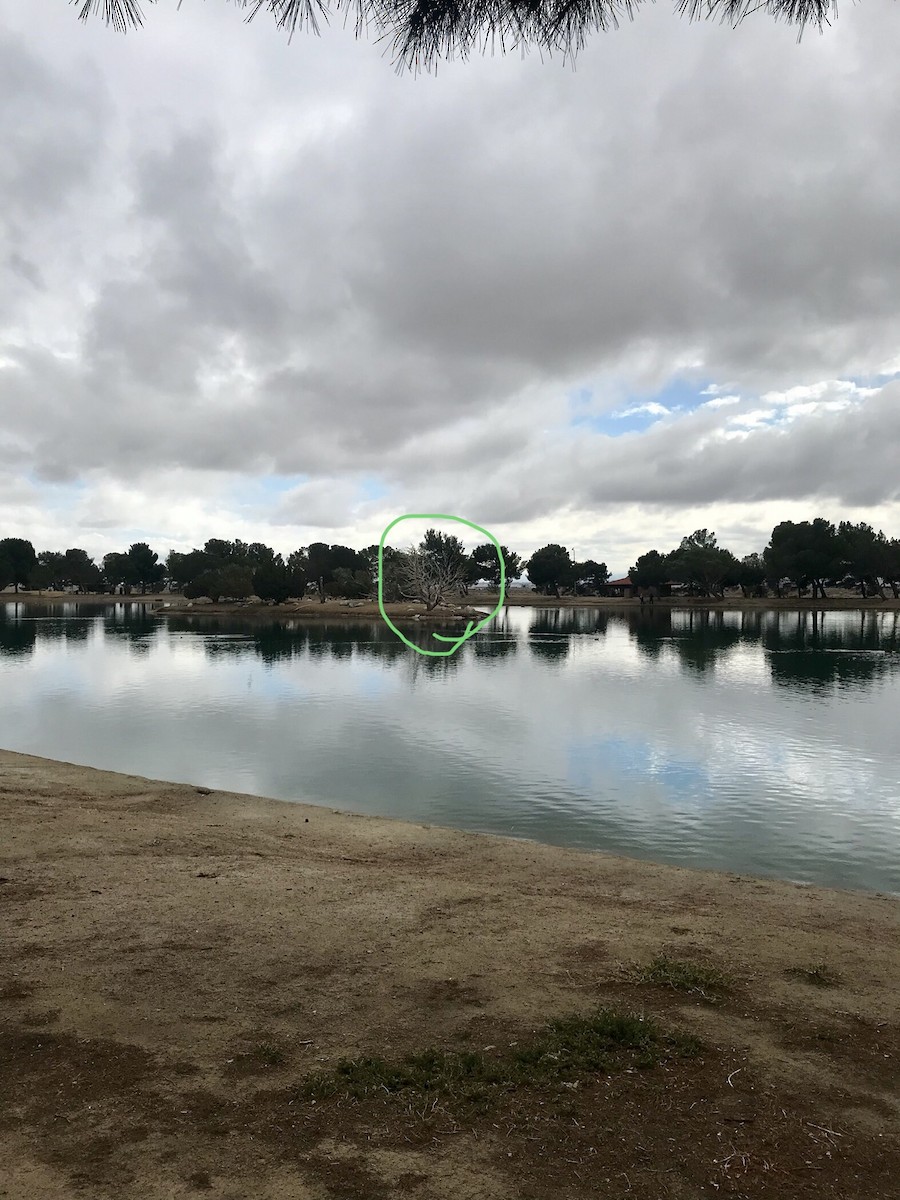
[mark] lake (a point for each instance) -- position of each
(758, 742)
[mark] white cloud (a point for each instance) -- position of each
(652, 408)
(226, 258)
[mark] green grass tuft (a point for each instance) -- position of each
(269, 1054)
(567, 1050)
(693, 978)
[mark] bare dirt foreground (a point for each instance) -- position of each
(177, 964)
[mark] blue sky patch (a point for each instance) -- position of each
(639, 410)
(592, 761)
(263, 489)
(372, 488)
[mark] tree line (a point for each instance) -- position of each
(439, 566)
(804, 555)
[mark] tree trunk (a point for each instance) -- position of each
(321, 590)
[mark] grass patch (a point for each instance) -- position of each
(565, 1051)
(269, 1054)
(819, 975)
(693, 978)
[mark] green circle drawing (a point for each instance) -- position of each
(470, 630)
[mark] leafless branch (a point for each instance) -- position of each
(428, 576)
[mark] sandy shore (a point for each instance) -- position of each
(173, 962)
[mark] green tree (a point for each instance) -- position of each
(589, 576)
(805, 552)
(233, 581)
(183, 569)
(352, 585)
(392, 561)
(486, 563)
(49, 572)
(471, 575)
(319, 559)
(144, 566)
(272, 579)
(424, 31)
(258, 554)
(17, 561)
(219, 551)
(6, 571)
(550, 568)
(117, 569)
(323, 560)
(81, 570)
(752, 574)
(298, 565)
(892, 566)
(701, 563)
(865, 555)
(650, 570)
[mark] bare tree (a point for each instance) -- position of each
(424, 31)
(433, 570)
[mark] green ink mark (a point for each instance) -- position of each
(470, 629)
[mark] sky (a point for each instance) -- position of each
(279, 291)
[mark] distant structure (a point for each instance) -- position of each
(622, 588)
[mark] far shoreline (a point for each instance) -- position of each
(168, 604)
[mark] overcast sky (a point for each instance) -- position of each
(279, 292)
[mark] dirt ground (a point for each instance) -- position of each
(174, 962)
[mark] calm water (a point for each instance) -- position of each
(762, 743)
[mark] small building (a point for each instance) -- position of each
(621, 588)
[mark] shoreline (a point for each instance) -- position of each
(174, 959)
(466, 608)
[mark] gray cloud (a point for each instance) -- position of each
(233, 257)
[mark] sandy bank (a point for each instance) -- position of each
(173, 961)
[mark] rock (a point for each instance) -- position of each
(202, 600)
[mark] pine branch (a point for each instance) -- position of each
(424, 31)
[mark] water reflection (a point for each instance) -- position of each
(17, 637)
(760, 741)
